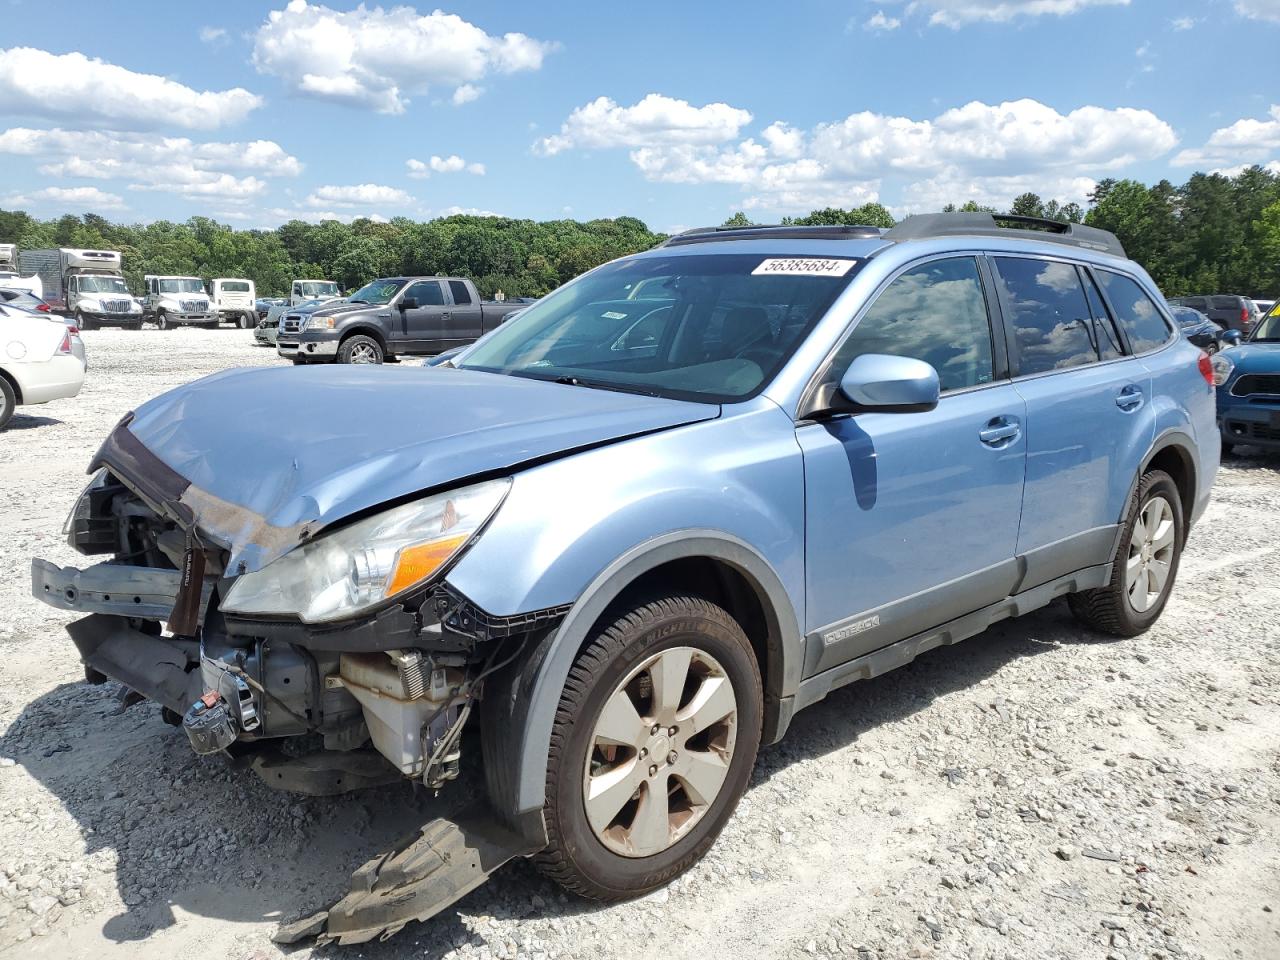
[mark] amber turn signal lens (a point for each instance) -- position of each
(419, 561)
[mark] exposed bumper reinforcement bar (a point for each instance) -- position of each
(417, 879)
(146, 593)
(160, 669)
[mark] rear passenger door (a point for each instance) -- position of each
(911, 519)
(466, 320)
(1088, 425)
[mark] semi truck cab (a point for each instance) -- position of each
(178, 301)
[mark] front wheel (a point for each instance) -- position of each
(652, 746)
(162, 321)
(360, 349)
(1146, 564)
(84, 323)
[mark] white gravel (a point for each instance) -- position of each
(1035, 792)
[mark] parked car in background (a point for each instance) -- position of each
(303, 290)
(30, 303)
(24, 299)
(234, 300)
(178, 301)
(392, 317)
(1264, 307)
(630, 543)
(1197, 328)
(262, 306)
(1227, 310)
(1247, 375)
(268, 329)
(38, 360)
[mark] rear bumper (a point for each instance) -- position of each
(55, 379)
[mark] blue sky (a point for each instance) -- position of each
(678, 113)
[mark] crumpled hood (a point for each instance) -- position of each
(265, 458)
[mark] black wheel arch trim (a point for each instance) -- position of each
(516, 764)
(1182, 443)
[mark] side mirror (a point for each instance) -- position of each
(1231, 338)
(409, 303)
(878, 381)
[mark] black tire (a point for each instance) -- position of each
(360, 345)
(162, 321)
(575, 856)
(8, 402)
(1108, 609)
(84, 323)
(245, 321)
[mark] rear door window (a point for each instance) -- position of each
(461, 295)
(1226, 303)
(1135, 311)
(1053, 328)
(1109, 347)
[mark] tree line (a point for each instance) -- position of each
(1213, 234)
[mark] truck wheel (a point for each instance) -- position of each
(1146, 564)
(360, 349)
(652, 746)
(245, 321)
(84, 323)
(8, 402)
(162, 321)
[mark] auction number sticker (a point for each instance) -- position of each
(803, 267)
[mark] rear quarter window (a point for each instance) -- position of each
(1136, 312)
(1052, 323)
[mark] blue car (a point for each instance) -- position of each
(1248, 379)
(630, 533)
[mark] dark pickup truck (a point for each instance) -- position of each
(394, 316)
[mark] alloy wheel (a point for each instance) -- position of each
(660, 751)
(1151, 553)
(364, 353)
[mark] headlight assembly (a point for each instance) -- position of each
(1222, 368)
(351, 570)
(319, 323)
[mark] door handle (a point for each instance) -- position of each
(1129, 398)
(446, 315)
(1000, 432)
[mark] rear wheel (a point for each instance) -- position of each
(652, 746)
(8, 402)
(246, 321)
(360, 349)
(1146, 564)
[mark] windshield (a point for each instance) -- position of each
(103, 285)
(182, 285)
(234, 286)
(723, 328)
(1269, 329)
(319, 288)
(379, 291)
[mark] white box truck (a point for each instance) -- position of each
(85, 284)
(235, 301)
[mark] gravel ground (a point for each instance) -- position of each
(1034, 792)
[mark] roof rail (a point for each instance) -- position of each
(928, 225)
(771, 232)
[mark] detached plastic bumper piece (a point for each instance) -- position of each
(417, 879)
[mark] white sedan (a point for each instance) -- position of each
(37, 362)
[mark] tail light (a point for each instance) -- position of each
(66, 343)
(73, 330)
(1206, 368)
(1244, 317)
(42, 307)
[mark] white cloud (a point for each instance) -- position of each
(878, 21)
(1244, 142)
(278, 215)
(654, 120)
(93, 93)
(843, 163)
(68, 197)
(464, 211)
(214, 36)
(450, 164)
(1183, 23)
(466, 93)
(170, 164)
(1259, 9)
(376, 58)
(358, 195)
(959, 13)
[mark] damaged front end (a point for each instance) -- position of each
(342, 661)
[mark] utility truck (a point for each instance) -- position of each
(234, 300)
(85, 284)
(178, 301)
(303, 290)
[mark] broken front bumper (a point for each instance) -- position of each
(147, 593)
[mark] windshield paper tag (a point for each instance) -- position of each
(803, 267)
(613, 315)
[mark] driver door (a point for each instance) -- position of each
(423, 318)
(911, 519)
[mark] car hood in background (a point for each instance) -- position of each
(347, 438)
(1255, 357)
